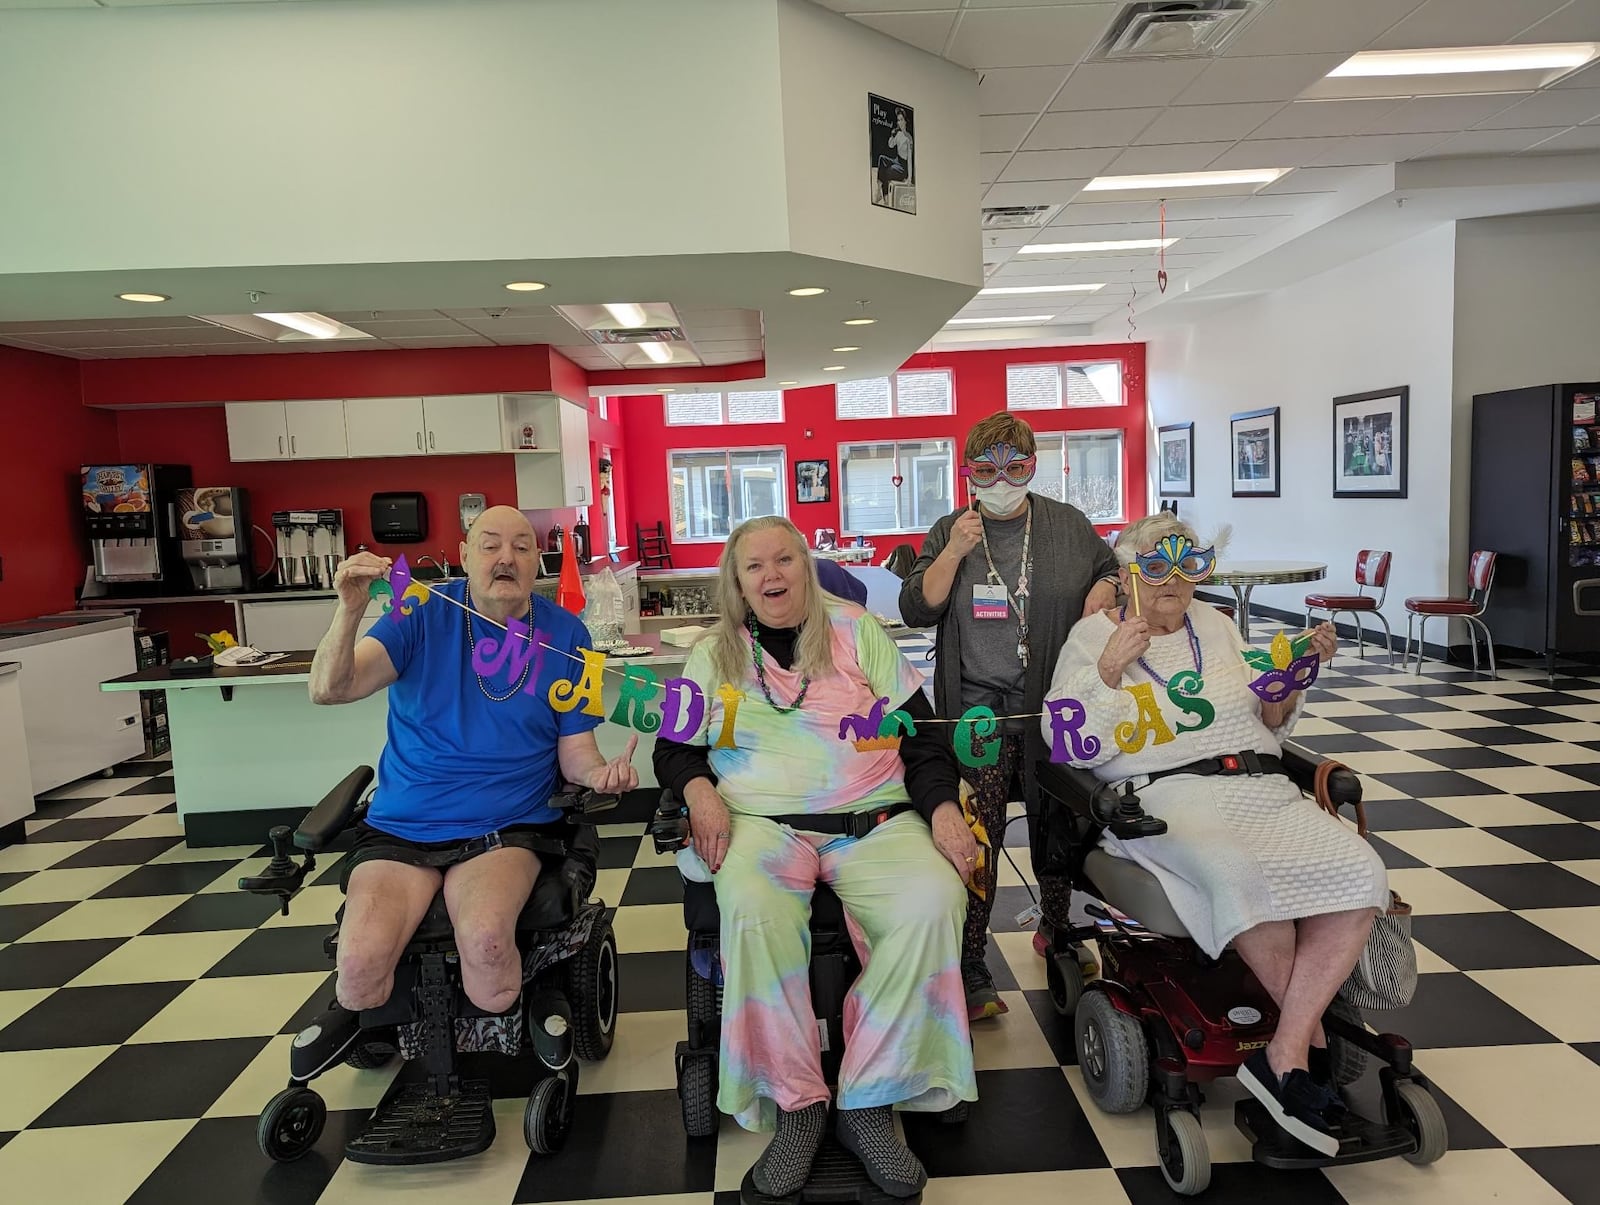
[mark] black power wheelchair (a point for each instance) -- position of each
(568, 1009)
(1163, 1019)
(836, 1176)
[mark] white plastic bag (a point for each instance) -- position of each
(603, 608)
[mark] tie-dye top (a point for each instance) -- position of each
(784, 764)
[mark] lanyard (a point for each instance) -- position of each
(1019, 600)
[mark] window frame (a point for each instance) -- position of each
(894, 398)
(782, 492)
(843, 487)
(722, 409)
(1066, 436)
(1060, 367)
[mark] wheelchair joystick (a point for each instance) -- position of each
(1122, 813)
(282, 863)
(282, 877)
(669, 828)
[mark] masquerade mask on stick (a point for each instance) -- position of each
(1176, 556)
(1288, 666)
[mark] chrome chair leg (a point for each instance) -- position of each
(1388, 636)
(1474, 624)
(1472, 635)
(1361, 635)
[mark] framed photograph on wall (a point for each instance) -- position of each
(1175, 475)
(1371, 443)
(811, 481)
(1254, 453)
(891, 130)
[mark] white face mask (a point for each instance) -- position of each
(1002, 497)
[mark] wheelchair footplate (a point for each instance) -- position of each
(414, 1125)
(1360, 1140)
(837, 1178)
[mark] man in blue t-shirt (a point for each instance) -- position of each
(470, 763)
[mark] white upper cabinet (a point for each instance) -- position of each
(316, 430)
(257, 431)
(464, 422)
(385, 426)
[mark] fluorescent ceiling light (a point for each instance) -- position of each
(833, 368)
(808, 291)
(847, 349)
(627, 314)
(314, 325)
(1015, 318)
(1467, 59)
(661, 353)
(788, 382)
(1020, 290)
(1264, 175)
(1124, 244)
(527, 286)
(145, 297)
(859, 321)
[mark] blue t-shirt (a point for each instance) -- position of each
(458, 764)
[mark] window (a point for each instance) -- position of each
(719, 409)
(872, 504)
(1085, 469)
(715, 491)
(602, 407)
(1051, 386)
(904, 395)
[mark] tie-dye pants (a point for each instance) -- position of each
(905, 1018)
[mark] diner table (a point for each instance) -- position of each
(1245, 576)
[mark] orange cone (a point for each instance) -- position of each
(569, 591)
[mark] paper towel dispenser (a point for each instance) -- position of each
(399, 518)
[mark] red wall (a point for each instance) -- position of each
(980, 390)
(45, 435)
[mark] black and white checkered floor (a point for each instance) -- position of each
(146, 1006)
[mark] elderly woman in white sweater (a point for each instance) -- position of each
(1246, 859)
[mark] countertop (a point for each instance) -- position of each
(25, 633)
(8, 667)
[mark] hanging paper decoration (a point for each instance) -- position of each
(683, 710)
(1068, 743)
(402, 594)
(1131, 735)
(1288, 666)
(494, 655)
(566, 695)
(730, 698)
(1161, 254)
(639, 686)
(1184, 691)
(976, 743)
(879, 729)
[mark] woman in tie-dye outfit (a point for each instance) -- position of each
(767, 779)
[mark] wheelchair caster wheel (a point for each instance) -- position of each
(1186, 1163)
(291, 1124)
(1420, 1116)
(370, 1054)
(548, 1118)
(1064, 977)
(697, 1092)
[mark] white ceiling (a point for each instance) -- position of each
(1051, 121)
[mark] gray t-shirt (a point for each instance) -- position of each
(991, 671)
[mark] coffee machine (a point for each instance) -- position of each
(130, 511)
(214, 521)
(310, 547)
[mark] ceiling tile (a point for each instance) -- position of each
(1087, 212)
(925, 31)
(1446, 114)
(1584, 138)
(851, 7)
(464, 339)
(1222, 227)
(1003, 132)
(1018, 89)
(437, 327)
(1057, 165)
(1099, 127)
(1029, 37)
(1208, 123)
(1179, 157)
(1265, 77)
(1379, 148)
(1275, 152)
(1034, 192)
(1465, 23)
(1548, 109)
(1126, 85)
(1589, 77)
(1489, 142)
(1087, 232)
(1579, 22)
(1312, 26)
(1311, 180)
(354, 316)
(991, 164)
(1325, 118)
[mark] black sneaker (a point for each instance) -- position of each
(983, 1001)
(1320, 1061)
(1298, 1105)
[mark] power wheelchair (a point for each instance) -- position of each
(836, 1175)
(568, 1008)
(1163, 1019)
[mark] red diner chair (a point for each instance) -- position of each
(1372, 569)
(1480, 577)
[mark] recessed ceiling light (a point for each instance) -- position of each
(626, 313)
(667, 389)
(661, 353)
(1264, 175)
(147, 297)
(859, 321)
(1125, 244)
(314, 325)
(847, 348)
(527, 286)
(808, 291)
(1013, 319)
(782, 383)
(1019, 290)
(833, 368)
(1463, 59)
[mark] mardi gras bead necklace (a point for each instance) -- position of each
(761, 672)
(1194, 651)
(472, 648)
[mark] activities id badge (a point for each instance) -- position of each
(989, 602)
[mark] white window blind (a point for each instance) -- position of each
(906, 395)
(716, 409)
(694, 409)
(863, 399)
(756, 406)
(919, 394)
(871, 502)
(1093, 384)
(1052, 386)
(1033, 387)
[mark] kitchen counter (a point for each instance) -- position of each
(25, 633)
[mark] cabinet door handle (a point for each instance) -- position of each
(419, 441)
(583, 493)
(430, 441)
(280, 445)
(292, 450)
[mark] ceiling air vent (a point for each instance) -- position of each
(1018, 217)
(639, 334)
(1172, 29)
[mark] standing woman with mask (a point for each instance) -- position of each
(1004, 579)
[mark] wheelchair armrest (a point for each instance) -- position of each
(1300, 763)
(1099, 802)
(1075, 787)
(581, 803)
(332, 816)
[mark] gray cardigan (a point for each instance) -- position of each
(1069, 558)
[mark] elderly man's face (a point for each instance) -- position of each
(501, 558)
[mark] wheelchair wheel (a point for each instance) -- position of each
(1112, 1054)
(368, 1054)
(1186, 1165)
(592, 992)
(1419, 1115)
(548, 1118)
(291, 1124)
(1064, 977)
(697, 1092)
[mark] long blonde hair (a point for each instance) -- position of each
(730, 654)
